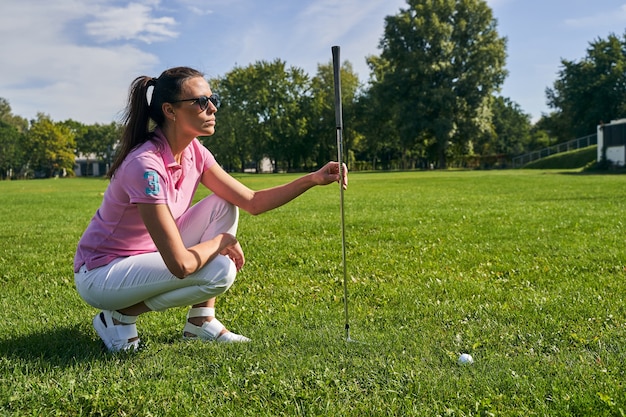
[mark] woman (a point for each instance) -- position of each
(146, 248)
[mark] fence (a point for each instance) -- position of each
(520, 161)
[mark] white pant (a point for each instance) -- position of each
(131, 280)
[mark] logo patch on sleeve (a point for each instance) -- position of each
(152, 186)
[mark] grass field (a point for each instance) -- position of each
(525, 270)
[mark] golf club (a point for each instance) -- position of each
(339, 122)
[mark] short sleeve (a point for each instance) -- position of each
(144, 179)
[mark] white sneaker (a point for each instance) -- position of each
(210, 330)
(115, 336)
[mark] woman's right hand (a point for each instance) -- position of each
(330, 173)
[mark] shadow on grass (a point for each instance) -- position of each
(61, 346)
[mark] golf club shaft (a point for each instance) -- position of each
(339, 122)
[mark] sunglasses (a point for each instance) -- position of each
(203, 101)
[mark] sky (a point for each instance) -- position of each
(75, 59)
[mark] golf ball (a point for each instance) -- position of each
(465, 359)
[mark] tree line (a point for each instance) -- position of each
(431, 101)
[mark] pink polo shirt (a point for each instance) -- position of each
(148, 175)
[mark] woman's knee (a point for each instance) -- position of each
(219, 274)
(208, 218)
(217, 206)
(225, 210)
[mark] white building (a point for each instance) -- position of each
(89, 166)
(612, 142)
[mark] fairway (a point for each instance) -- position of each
(524, 270)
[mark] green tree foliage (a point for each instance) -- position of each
(431, 98)
(261, 114)
(232, 143)
(321, 139)
(12, 130)
(380, 144)
(50, 147)
(511, 132)
(269, 110)
(5, 110)
(590, 91)
(539, 139)
(98, 140)
(9, 118)
(441, 61)
(11, 154)
(555, 129)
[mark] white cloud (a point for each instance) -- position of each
(76, 59)
(47, 68)
(355, 25)
(306, 38)
(200, 8)
(81, 83)
(199, 11)
(133, 22)
(328, 20)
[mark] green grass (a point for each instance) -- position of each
(522, 269)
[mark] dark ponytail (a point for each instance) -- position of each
(139, 113)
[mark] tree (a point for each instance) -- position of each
(12, 130)
(592, 90)
(441, 61)
(261, 115)
(11, 152)
(235, 141)
(98, 140)
(50, 147)
(10, 119)
(511, 130)
(380, 142)
(320, 143)
(555, 128)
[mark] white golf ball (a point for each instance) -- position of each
(465, 359)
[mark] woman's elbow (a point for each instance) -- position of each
(178, 273)
(254, 212)
(252, 209)
(188, 263)
(180, 270)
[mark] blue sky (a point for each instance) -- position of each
(75, 59)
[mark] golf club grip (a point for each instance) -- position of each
(337, 78)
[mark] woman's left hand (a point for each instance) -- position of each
(235, 253)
